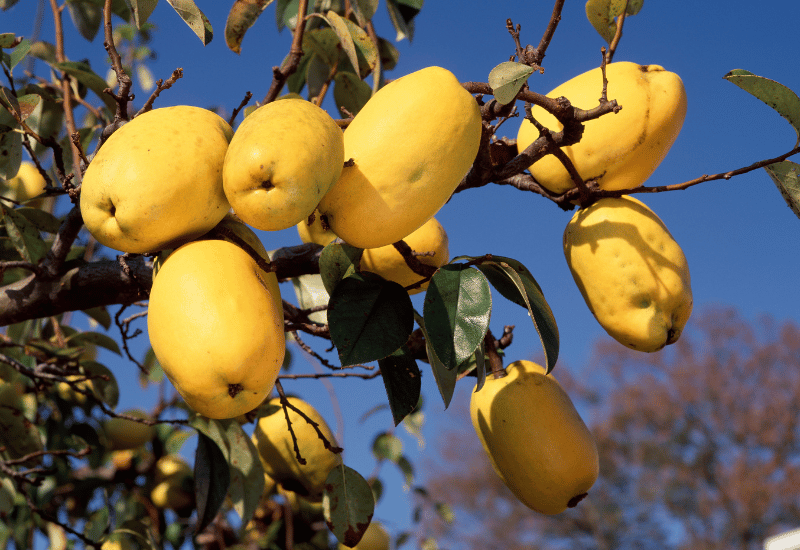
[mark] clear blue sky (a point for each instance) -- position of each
(739, 236)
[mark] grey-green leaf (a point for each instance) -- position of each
(348, 504)
(602, 14)
(458, 304)
(786, 176)
(141, 10)
(86, 16)
(369, 318)
(19, 53)
(774, 94)
(507, 80)
(342, 31)
(242, 16)
(195, 18)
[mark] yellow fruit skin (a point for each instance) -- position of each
(535, 439)
(216, 326)
(315, 232)
(26, 184)
(619, 150)
(632, 274)
(412, 143)
(157, 181)
(387, 262)
(123, 434)
(281, 161)
(276, 448)
(375, 538)
(173, 481)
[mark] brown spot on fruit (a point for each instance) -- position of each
(234, 390)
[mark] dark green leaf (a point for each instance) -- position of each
(774, 94)
(297, 81)
(141, 10)
(377, 488)
(242, 16)
(367, 8)
(786, 176)
(86, 16)
(336, 262)
(317, 75)
(19, 53)
(100, 315)
(286, 13)
(96, 339)
(516, 283)
(480, 365)
(389, 54)
(24, 236)
(407, 469)
(41, 220)
(363, 44)
(324, 43)
(10, 145)
(458, 304)
(83, 73)
(386, 446)
(369, 318)
(445, 378)
(46, 120)
(195, 18)
(350, 93)
(211, 480)
(507, 79)
(348, 504)
(105, 386)
(403, 26)
(602, 14)
(403, 382)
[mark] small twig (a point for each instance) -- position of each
(612, 48)
(247, 97)
(287, 405)
(122, 97)
(161, 85)
(281, 74)
(495, 361)
(124, 326)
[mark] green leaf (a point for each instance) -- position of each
(507, 80)
(286, 13)
(19, 53)
(369, 318)
(389, 55)
(242, 16)
(386, 446)
(96, 339)
(317, 75)
(7, 39)
(348, 504)
(211, 480)
(403, 382)
(324, 43)
(350, 93)
(445, 378)
(10, 145)
(106, 389)
(786, 176)
(602, 15)
(46, 120)
(516, 283)
(141, 10)
(83, 73)
(458, 304)
(24, 236)
(774, 94)
(297, 80)
(343, 33)
(86, 16)
(310, 292)
(336, 262)
(27, 104)
(406, 469)
(100, 315)
(403, 26)
(195, 18)
(363, 44)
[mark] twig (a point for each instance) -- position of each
(161, 85)
(247, 97)
(612, 48)
(123, 79)
(281, 74)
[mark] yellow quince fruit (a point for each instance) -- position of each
(429, 241)
(535, 438)
(118, 542)
(157, 181)
(411, 145)
(125, 434)
(281, 161)
(216, 326)
(317, 231)
(28, 183)
(276, 448)
(631, 272)
(375, 538)
(173, 484)
(619, 150)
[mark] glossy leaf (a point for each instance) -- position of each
(458, 304)
(348, 504)
(369, 318)
(387, 446)
(445, 378)
(242, 16)
(195, 18)
(24, 236)
(516, 283)
(83, 73)
(211, 480)
(602, 14)
(95, 339)
(336, 262)
(350, 93)
(403, 382)
(507, 80)
(86, 16)
(786, 176)
(774, 94)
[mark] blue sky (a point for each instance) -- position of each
(739, 236)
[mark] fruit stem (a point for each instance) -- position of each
(495, 361)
